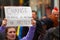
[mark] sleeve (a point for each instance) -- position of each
(30, 34)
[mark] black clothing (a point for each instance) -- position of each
(38, 30)
(1, 36)
(52, 35)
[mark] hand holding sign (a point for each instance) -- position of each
(33, 22)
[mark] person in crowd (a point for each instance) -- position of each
(44, 26)
(50, 22)
(54, 16)
(55, 12)
(48, 10)
(10, 33)
(51, 33)
(38, 25)
(3, 25)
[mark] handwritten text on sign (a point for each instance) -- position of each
(18, 15)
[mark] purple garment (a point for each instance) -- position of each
(2, 29)
(30, 34)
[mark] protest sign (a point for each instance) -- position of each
(17, 15)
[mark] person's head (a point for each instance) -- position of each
(44, 26)
(10, 33)
(48, 10)
(34, 14)
(4, 22)
(55, 12)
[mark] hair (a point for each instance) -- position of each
(48, 7)
(34, 11)
(55, 9)
(6, 30)
(54, 19)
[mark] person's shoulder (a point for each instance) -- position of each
(56, 32)
(51, 30)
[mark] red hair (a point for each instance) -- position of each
(54, 19)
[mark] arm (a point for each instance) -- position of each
(30, 34)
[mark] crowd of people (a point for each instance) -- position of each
(46, 28)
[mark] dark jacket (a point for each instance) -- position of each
(52, 34)
(1, 36)
(38, 30)
(49, 23)
(0, 22)
(25, 31)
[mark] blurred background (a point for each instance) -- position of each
(41, 6)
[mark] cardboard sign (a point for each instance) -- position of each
(17, 15)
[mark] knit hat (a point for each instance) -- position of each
(48, 22)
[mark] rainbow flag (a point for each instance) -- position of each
(19, 32)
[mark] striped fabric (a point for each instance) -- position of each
(19, 32)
